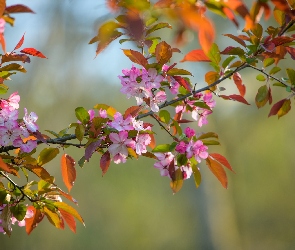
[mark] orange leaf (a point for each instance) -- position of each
(196, 55)
(222, 160)
(163, 52)
(194, 18)
(40, 172)
(239, 83)
(69, 219)
(152, 145)
(217, 170)
(32, 222)
(2, 42)
(135, 57)
(2, 7)
(33, 52)
(69, 209)
(7, 168)
(239, 7)
(68, 171)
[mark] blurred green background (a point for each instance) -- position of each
(132, 206)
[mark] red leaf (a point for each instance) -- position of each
(68, 170)
(105, 161)
(237, 39)
(221, 159)
(196, 55)
(276, 107)
(135, 57)
(33, 52)
(32, 222)
(182, 82)
(217, 170)
(20, 43)
(237, 98)
(239, 83)
(18, 8)
(291, 51)
(133, 111)
(280, 108)
(152, 144)
(70, 220)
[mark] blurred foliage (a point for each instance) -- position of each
(132, 207)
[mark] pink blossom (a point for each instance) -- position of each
(91, 113)
(152, 79)
(142, 140)
(103, 113)
(11, 103)
(120, 144)
(186, 172)
(9, 133)
(28, 146)
(189, 132)
(181, 147)
(159, 98)
(2, 25)
(164, 160)
(120, 124)
(30, 121)
(207, 98)
(196, 149)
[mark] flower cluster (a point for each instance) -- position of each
(142, 85)
(198, 113)
(120, 140)
(188, 151)
(7, 219)
(14, 131)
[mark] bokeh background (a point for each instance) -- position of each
(132, 206)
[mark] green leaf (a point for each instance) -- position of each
(80, 131)
(262, 96)
(197, 175)
(202, 105)
(268, 61)
(162, 148)
(82, 115)
(291, 75)
(175, 71)
(19, 211)
(210, 142)
(13, 67)
(214, 54)
(181, 160)
(46, 155)
(164, 116)
(3, 89)
(274, 70)
(260, 77)
(157, 27)
(227, 61)
(177, 127)
(208, 135)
